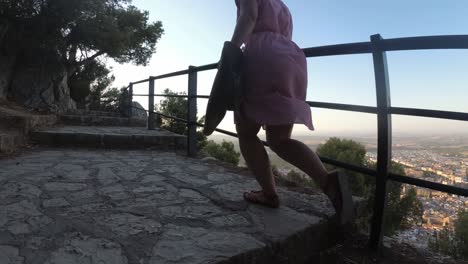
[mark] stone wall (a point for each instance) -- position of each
(40, 88)
(39, 84)
(7, 58)
(6, 66)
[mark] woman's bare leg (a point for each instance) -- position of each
(296, 153)
(256, 156)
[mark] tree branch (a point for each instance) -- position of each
(90, 59)
(73, 66)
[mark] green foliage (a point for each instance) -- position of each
(401, 212)
(461, 234)
(411, 209)
(293, 178)
(351, 152)
(80, 31)
(73, 38)
(443, 242)
(452, 241)
(175, 107)
(110, 100)
(300, 178)
(178, 107)
(90, 79)
(224, 151)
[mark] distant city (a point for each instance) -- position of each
(440, 209)
(437, 158)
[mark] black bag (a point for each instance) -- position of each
(227, 91)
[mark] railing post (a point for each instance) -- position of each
(384, 147)
(130, 100)
(192, 113)
(151, 105)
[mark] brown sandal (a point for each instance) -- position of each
(338, 191)
(258, 197)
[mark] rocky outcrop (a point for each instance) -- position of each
(40, 88)
(138, 111)
(7, 60)
(35, 82)
(6, 67)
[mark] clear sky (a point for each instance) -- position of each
(196, 29)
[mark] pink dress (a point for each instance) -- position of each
(275, 70)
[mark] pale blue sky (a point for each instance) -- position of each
(196, 30)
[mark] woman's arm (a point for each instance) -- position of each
(245, 22)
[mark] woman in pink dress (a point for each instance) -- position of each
(275, 78)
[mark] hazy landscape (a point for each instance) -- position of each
(448, 145)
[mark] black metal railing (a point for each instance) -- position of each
(377, 46)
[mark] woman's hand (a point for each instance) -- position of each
(248, 13)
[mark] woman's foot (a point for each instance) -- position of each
(259, 197)
(337, 189)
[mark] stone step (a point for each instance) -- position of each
(10, 141)
(90, 120)
(14, 129)
(93, 113)
(26, 123)
(109, 137)
(12, 122)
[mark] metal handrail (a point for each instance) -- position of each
(378, 48)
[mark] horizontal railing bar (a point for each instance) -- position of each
(424, 43)
(207, 67)
(429, 185)
(366, 171)
(396, 44)
(142, 81)
(346, 107)
(370, 172)
(203, 96)
(168, 75)
(172, 95)
(340, 49)
(364, 109)
(429, 113)
(165, 95)
(344, 165)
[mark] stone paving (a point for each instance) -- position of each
(118, 206)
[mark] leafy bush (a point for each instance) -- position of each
(224, 151)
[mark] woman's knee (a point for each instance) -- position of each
(277, 136)
(276, 144)
(246, 130)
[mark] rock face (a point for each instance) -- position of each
(138, 111)
(36, 82)
(7, 60)
(6, 66)
(42, 90)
